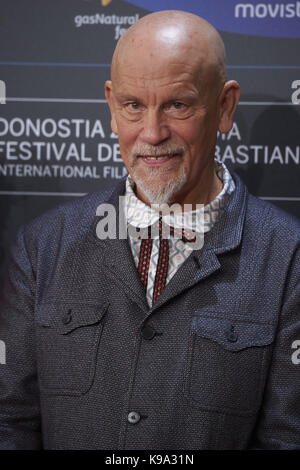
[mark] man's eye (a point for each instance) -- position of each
(132, 106)
(178, 105)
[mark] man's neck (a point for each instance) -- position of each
(211, 187)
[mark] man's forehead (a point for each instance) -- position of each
(124, 91)
(157, 63)
(164, 45)
(177, 74)
(158, 69)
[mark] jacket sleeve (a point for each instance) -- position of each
(19, 395)
(279, 424)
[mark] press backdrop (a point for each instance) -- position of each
(55, 137)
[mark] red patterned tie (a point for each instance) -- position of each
(144, 260)
(162, 262)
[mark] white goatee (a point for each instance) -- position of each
(164, 193)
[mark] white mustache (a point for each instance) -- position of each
(151, 151)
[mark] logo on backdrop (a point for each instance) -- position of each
(272, 18)
(119, 23)
(296, 94)
(104, 3)
(63, 147)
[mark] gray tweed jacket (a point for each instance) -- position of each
(212, 365)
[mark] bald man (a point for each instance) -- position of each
(185, 332)
(168, 98)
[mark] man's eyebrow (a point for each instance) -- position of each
(182, 96)
(125, 97)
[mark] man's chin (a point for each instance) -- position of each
(156, 191)
(156, 196)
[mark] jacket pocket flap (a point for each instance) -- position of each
(66, 317)
(233, 334)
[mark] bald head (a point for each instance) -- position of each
(175, 36)
(168, 97)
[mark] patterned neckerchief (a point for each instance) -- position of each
(141, 215)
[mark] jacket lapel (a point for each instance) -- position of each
(117, 259)
(116, 256)
(225, 236)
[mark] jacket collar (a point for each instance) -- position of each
(225, 236)
(227, 232)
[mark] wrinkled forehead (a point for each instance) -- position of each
(157, 57)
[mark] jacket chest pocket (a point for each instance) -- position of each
(227, 364)
(68, 337)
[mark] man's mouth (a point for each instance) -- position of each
(158, 159)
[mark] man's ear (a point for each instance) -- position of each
(229, 99)
(109, 96)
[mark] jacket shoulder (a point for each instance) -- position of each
(275, 221)
(63, 226)
(73, 213)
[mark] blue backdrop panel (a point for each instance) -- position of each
(55, 136)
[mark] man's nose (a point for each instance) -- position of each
(155, 129)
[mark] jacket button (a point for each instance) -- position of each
(232, 336)
(133, 417)
(148, 332)
(67, 318)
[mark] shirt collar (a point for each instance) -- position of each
(141, 215)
